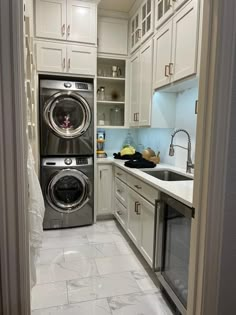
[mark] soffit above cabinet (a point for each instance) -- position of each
(114, 5)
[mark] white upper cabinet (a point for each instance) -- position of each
(50, 18)
(184, 51)
(81, 59)
(175, 47)
(162, 55)
(58, 57)
(135, 31)
(134, 89)
(112, 36)
(141, 24)
(71, 20)
(147, 9)
(81, 21)
(141, 65)
(51, 57)
(146, 66)
(165, 8)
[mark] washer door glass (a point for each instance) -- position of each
(67, 114)
(68, 191)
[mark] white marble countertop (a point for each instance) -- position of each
(180, 190)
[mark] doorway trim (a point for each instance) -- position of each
(14, 236)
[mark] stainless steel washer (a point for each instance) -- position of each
(67, 185)
(66, 118)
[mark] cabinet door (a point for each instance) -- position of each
(162, 56)
(184, 52)
(134, 89)
(104, 189)
(164, 9)
(135, 31)
(50, 19)
(112, 36)
(81, 21)
(147, 16)
(146, 66)
(81, 60)
(133, 226)
(146, 230)
(51, 57)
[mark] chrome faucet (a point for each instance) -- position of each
(190, 164)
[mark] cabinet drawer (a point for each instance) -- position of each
(148, 192)
(121, 191)
(121, 174)
(121, 213)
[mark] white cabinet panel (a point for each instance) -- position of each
(133, 227)
(147, 230)
(146, 66)
(135, 31)
(50, 18)
(81, 21)
(121, 213)
(162, 56)
(81, 60)
(184, 52)
(51, 57)
(112, 36)
(134, 89)
(104, 189)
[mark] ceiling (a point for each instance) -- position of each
(116, 5)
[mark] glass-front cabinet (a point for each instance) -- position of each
(141, 24)
(164, 9)
(111, 83)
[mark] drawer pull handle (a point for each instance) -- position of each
(137, 204)
(119, 191)
(137, 186)
(119, 174)
(119, 212)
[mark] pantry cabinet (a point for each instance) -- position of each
(141, 85)
(175, 47)
(104, 189)
(56, 57)
(141, 24)
(71, 20)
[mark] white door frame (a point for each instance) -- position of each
(213, 259)
(14, 237)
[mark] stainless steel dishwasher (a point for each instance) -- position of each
(172, 234)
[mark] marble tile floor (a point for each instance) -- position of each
(93, 271)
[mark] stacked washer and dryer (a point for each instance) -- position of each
(67, 152)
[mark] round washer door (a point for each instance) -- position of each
(68, 191)
(67, 114)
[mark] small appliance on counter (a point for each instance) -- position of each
(100, 144)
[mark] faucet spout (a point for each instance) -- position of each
(189, 164)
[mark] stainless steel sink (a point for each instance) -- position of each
(167, 175)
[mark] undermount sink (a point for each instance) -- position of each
(167, 175)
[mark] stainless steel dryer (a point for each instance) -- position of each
(66, 118)
(67, 185)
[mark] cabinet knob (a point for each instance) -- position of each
(137, 186)
(119, 174)
(119, 212)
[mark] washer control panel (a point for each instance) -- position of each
(67, 161)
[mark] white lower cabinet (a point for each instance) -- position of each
(104, 189)
(121, 213)
(57, 57)
(134, 213)
(140, 226)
